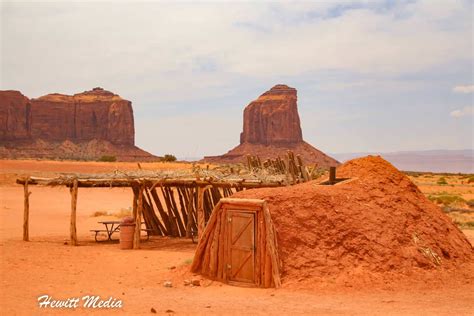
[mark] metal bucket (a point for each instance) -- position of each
(127, 230)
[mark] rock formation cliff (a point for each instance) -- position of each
(85, 125)
(272, 118)
(271, 127)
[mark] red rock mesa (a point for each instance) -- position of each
(271, 127)
(82, 126)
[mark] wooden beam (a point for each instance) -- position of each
(189, 219)
(107, 183)
(138, 219)
(26, 212)
(73, 230)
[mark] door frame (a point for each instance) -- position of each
(256, 211)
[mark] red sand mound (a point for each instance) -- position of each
(378, 226)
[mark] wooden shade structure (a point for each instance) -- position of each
(239, 245)
(176, 207)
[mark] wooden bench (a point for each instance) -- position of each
(148, 231)
(97, 231)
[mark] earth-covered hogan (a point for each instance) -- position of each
(374, 226)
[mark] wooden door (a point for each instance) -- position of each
(241, 246)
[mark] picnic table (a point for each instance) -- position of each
(112, 227)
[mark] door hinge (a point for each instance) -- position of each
(229, 219)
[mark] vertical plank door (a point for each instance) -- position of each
(241, 245)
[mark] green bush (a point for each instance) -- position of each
(471, 179)
(442, 181)
(168, 158)
(108, 158)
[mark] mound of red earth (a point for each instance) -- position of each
(375, 226)
(271, 128)
(86, 125)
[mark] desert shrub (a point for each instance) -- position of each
(470, 203)
(469, 225)
(119, 214)
(168, 158)
(446, 199)
(464, 225)
(471, 179)
(442, 181)
(108, 158)
(99, 213)
(123, 212)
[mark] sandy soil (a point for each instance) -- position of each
(47, 266)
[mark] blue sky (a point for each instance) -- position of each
(371, 75)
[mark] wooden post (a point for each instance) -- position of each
(138, 219)
(26, 212)
(332, 175)
(134, 204)
(200, 211)
(73, 230)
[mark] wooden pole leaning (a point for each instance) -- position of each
(200, 212)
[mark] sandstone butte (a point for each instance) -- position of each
(86, 125)
(271, 128)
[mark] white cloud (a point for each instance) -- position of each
(152, 45)
(465, 111)
(464, 89)
(173, 59)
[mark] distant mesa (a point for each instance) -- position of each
(271, 127)
(86, 125)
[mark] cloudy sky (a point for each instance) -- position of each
(371, 75)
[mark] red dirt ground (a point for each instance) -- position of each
(47, 266)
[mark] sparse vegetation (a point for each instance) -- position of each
(188, 261)
(108, 158)
(464, 225)
(471, 179)
(99, 213)
(442, 181)
(168, 158)
(470, 203)
(119, 214)
(446, 199)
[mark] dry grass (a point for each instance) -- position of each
(447, 199)
(123, 212)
